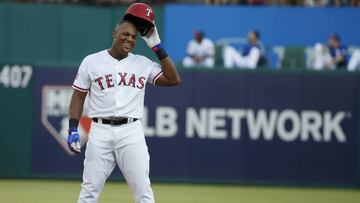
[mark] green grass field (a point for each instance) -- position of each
(55, 191)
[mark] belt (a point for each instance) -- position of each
(114, 120)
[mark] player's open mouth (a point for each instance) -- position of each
(127, 46)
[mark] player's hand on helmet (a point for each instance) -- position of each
(73, 140)
(152, 38)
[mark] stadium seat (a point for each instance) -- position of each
(294, 58)
(263, 62)
(218, 55)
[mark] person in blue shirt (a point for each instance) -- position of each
(332, 57)
(250, 56)
(337, 51)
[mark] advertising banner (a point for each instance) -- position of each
(247, 127)
(255, 127)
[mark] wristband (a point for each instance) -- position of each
(160, 52)
(73, 123)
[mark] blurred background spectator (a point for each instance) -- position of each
(251, 56)
(355, 3)
(331, 57)
(315, 3)
(111, 2)
(200, 52)
(222, 1)
(93, 2)
(306, 3)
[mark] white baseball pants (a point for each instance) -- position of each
(322, 58)
(232, 58)
(354, 63)
(188, 62)
(123, 145)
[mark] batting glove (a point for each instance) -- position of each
(152, 38)
(73, 140)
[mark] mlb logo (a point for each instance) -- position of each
(54, 114)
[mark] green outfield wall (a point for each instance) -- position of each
(16, 121)
(59, 34)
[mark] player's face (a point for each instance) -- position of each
(125, 37)
(198, 38)
(251, 37)
(333, 42)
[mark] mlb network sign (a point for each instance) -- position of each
(252, 127)
(206, 123)
(226, 123)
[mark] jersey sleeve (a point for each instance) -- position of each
(82, 80)
(190, 50)
(155, 72)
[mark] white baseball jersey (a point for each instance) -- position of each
(205, 48)
(116, 87)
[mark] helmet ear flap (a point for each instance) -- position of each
(143, 26)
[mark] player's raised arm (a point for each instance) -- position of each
(170, 76)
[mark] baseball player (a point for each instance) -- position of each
(200, 52)
(116, 80)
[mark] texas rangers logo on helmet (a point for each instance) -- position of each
(54, 114)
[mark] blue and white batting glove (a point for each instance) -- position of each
(152, 38)
(73, 140)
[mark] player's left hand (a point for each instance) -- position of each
(73, 140)
(152, 38)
